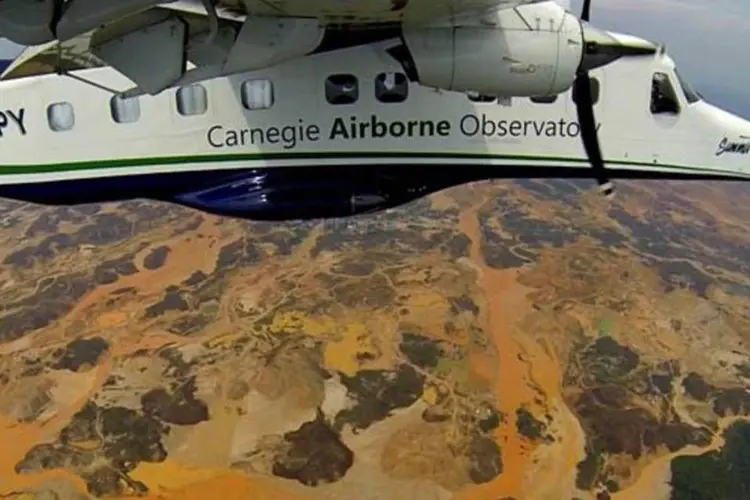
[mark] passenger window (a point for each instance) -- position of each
(60, 116)
(257, 94)
(391, 87)
(477, 97)
(342, 89)
(125, 110)
(595, 91)
(192, 100)
(547, 99)
(663, 96)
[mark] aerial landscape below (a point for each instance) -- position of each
(504, 340)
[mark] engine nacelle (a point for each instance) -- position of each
(34, 22)
(25, 22)
(533, 50)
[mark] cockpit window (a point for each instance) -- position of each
(690, 94)
(663, 96)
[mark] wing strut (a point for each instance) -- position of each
(213, 19)
(60, 71)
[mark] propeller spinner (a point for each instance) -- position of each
(599, 48)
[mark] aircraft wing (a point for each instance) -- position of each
(245, 29)
(352, 11)
(352, 14)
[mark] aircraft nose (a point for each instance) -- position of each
(739, 146)
(735, 132)
(728, 120)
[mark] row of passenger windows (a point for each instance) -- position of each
(190, 100)
(258, 94)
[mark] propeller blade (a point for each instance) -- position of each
(586, 11)
(587, 122)
(599, 49)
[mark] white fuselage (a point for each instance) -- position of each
(300, 127)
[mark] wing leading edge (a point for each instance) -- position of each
(76, 53)
(362, 11)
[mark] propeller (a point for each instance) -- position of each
(599, 48)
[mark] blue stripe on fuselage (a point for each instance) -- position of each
(295, 192)
(265, 193)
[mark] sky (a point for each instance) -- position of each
(707, 38)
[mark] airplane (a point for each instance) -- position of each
(333, 108)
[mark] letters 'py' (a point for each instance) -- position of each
(12, 119)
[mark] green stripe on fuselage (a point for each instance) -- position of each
(223, 158)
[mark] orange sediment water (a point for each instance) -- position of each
(511, 391)
(653, 480)
(171, 481)
(197, 254)
(19, 438)
(226, 486)
(525, 373)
